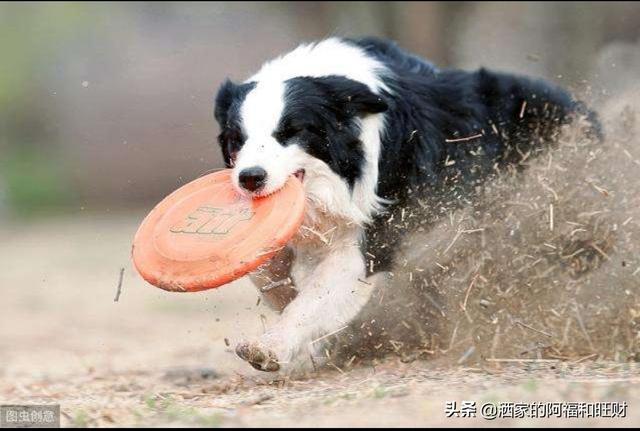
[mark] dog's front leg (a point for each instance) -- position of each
(330, 295)
(274, 281)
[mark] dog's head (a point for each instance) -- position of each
(318, 128)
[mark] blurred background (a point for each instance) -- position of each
(108, 106)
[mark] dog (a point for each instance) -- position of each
(369, 129)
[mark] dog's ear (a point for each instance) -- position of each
(223, 100)
(350, 97)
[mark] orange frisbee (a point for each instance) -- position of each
(205, 234)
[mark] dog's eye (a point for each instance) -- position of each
(285, 133)
(290, 131)
(230, 139)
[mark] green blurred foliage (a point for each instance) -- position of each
(35, 181)
(29, 33)
(31, 175)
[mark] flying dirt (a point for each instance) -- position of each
(545, 265)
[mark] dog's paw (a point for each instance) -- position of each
(258, 356)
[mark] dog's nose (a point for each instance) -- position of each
(252, 178)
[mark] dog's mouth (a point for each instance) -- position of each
(299, 174)
(261, 192)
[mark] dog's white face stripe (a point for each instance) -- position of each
(262, 110)
(260, 114)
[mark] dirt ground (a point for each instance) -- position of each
(156, 358)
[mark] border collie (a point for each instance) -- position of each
(369, 129)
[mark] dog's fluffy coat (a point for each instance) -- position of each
(370, 129)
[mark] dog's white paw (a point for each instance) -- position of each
(258, 356)
(274, 351)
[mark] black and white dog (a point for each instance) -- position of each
(368, 128)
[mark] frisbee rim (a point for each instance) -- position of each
(156, 268)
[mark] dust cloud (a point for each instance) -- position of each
(544, 265)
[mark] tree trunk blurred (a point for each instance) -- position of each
(425, 28)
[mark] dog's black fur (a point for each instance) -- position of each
(450, 130)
